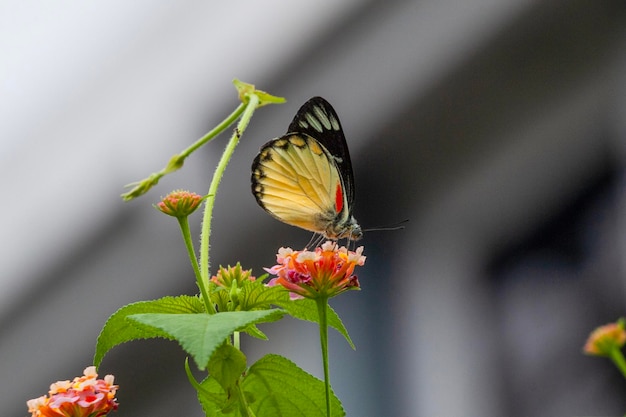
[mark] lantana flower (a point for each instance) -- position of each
(179, 203)
(85, 396)
(604, 339)
(226, 276)
(324, 272)
(229, 294)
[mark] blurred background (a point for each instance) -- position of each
(496, 127)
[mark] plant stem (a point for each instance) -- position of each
(322, 305)
(237, 340)
(246, 410)
(215, 131)
(217, 177)
(618, 359)
(184, 227)
(176, 162)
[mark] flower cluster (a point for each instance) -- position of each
(85, 396)
(604, 339)
(226, 276)
(325, 272)
(179, 203)
(230, 292)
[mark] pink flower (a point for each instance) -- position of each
(179, 203)
(85, 396)
(327, 271)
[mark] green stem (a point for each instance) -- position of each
(237, 340)
(618, 359)
(215, 131)
(184, 227)
(245, 407)
(322, 306)
(176, 162)
(217, 177)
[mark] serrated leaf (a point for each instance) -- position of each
(262, 296)
(274, 387)
(211, 396)
(226, 365)
(254, 331)
(200, 334)
(118, 329)
(251, 295)
(277, 387)
(214, 401)
(306, 309)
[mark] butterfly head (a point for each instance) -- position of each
(348, 229)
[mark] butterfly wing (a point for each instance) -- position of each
(295, 179)
(317, 119)
(305, 179)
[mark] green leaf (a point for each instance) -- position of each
(254, 331)
(259, 295)
(118, 330)
(274, 387)
(214, 401)
(277, 387)
(250, 295)
(306, 309)
(210, 394)
(226, 366)
(200, 334)
(246, 89)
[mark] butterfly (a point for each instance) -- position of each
(305, 178)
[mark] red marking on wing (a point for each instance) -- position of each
(338, 198)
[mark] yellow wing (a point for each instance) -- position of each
(295, 179)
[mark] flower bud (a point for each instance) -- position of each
(604, 339)
(179, 203)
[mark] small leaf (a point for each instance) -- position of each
(226, 365)
(214, 401)
(254, 331)
(245, 89)
(200, 334)
(277, 387)
(306, 309)
(118, 330)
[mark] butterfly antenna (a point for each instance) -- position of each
(398, 226)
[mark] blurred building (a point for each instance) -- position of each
(496, 128)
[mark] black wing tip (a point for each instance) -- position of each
(317, 100)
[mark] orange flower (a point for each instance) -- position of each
(85, 396)
(179, 203)
(604, 339)
(325, 272)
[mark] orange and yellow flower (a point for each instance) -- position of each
(604, 339)
(325, 272)
(179, 203)
(85, 396)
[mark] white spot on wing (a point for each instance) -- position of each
(315, 124)
(323, 118)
